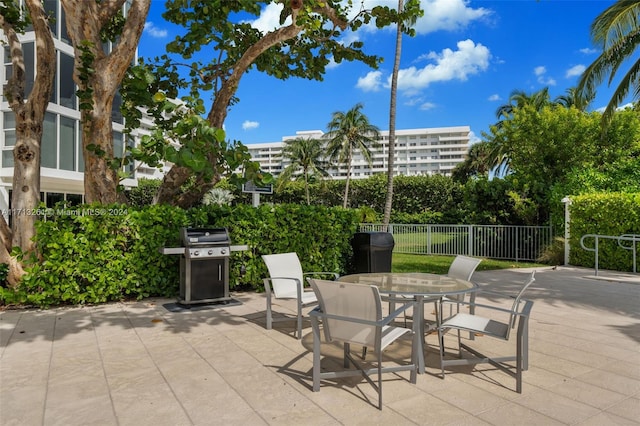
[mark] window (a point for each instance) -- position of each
(64, 36)
(49, 146)
(29, 67)
(9, 131)
(51, 10)
(67, 86)
(29, 61)
(67, 143)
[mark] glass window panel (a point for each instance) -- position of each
(29, 65)
(54, 87)
(50, 8)
(9, 119)
(67, 143)
(53, 198)
(116, 114)
(63, 27)
(74, 199)
(67, 86)
(9, 138)
(80, 152)
(7, 158)
(49, 148)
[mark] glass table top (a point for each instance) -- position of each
(412, 283)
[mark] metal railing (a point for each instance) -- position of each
(519, 243)
(621, 239)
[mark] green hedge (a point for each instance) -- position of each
(604, 214)
(93, 254)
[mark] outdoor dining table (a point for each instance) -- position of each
(418, 286)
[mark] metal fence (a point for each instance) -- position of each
(519, 243)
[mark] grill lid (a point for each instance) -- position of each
(204, 236)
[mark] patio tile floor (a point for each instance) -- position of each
(147, 363)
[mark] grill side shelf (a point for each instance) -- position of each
(172, 250)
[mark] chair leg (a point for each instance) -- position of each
(347, 349)
(299, 320)
(269, 317)
(379, 380)
(316, 354)
(441, 339)
(519, 361)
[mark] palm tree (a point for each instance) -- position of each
(517, 99)
(306, 155)
(617, 32)
(477, 163)
(392, 107)
(573, 97)
(349, 132)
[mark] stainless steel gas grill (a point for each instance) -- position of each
(204, 264)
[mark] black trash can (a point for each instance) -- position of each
(372, 251)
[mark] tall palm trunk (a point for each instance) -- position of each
(346, 184)
(392, 122)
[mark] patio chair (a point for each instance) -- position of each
(286, 281)
(461, 268)
(479, 325)
(352, 314)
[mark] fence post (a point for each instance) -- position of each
(470, 232)
(428, 239)
(567, 234)
(517, 242)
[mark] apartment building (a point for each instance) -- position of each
(62, 173)
(427, 151)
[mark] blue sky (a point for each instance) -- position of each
(466, 59)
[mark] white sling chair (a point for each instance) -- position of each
(352, 314)
(286, 281)
(517, 315)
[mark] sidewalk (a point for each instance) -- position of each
(152, 363)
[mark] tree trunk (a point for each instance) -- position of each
(346, 184)
(29, 117)
(85, 19)
(392, 124)
(178, 175)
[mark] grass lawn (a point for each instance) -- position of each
(440, 264)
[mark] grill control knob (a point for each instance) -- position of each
(210, 252)
(196, 253)
(223, 251)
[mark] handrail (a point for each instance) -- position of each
(634, 238)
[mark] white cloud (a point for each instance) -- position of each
(469, 59)
(541, 72)
(427, 106)
(332, 64)
(372, 82)
(153, 31)
(250, 125)
(473, 138)
(494, 97)
(269, 18)
(448, 15)
(620, 108)
(575, 70)
(588, 51)
(414, 101)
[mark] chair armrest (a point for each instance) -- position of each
(490, 307)
(317, 312)
(334, 274)
(282, 278)
(495, 293)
